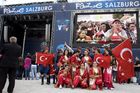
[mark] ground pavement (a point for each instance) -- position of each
(34, 86)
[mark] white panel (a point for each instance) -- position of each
(85, 0)
(5, 33)
(47, 32)
(10, 2)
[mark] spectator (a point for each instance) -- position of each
(20, 69)
(82, 37)
(116, 33)
(132, 32)
(9, 55)
(27, 65)
(34, 68)
(137, 69)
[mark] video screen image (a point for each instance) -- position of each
(104, 28)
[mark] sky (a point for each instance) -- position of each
(10, 2)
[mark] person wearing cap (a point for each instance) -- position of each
(116, 33)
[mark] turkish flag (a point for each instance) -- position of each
(106, 61)
(44, 59)
(103, 61)
(98, 58)
(124, 56)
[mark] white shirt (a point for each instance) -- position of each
(121, 33)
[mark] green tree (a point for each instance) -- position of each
(117, 16)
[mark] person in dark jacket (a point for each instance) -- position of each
(137, 69)
(9, 55)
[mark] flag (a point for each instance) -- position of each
(44, 59)
(103, 61)
(124, 56)
(68, 47)
(106, 61)
(98, 58)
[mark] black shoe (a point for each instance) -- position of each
(48, 83)
(10, 92)
(54, 83)
(48, 80)
(54, 79)
(42, 80)
(42, 83)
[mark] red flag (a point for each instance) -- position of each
(124, 56)
(106, 61)
(98, 58)
(103, 61)
(45, 59)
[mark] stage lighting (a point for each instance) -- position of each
(61, 1)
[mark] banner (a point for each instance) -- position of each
(41, 8)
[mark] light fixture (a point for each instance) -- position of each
(62, 1)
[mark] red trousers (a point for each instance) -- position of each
(108, 85)
(77, 80)
(94, 86)
(63, 80)
(98, 83)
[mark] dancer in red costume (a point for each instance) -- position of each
(45, 59)
(52, 73)
(81, 77)
(98, 57)
(95, 77)
(64, 78)
(86, 59)
(64, 60)
(107, 73)
(75, 61)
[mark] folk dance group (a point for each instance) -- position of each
(80, 70)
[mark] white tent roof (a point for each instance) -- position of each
(10, 2)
